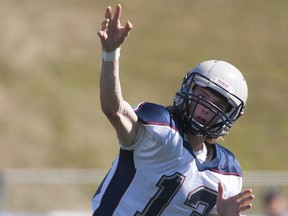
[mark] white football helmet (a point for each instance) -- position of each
(220, 77)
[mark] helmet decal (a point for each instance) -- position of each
(223, 84)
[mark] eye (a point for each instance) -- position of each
(201, 94)
(223, 107)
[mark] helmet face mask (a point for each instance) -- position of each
(187, 101)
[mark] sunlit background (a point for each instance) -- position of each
(55, 143)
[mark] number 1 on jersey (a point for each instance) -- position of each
(168, 187)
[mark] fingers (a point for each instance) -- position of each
(245, 194)
(126, 29)
(245, 207)
(104, 27)
(128, 26)
(117, 13)
(112, 34)
(234, 204)
(246, 198)
(108, 13)
(114, 21)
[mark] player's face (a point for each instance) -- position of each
(204, 114)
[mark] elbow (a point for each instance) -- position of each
(110, 112)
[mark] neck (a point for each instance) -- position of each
(196, 142)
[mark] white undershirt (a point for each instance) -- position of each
(201, 154)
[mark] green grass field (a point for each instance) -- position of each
(49, 74)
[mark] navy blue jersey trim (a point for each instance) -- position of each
(228, 164)
(118, 185)
(223, 163)
(227, 173)
(154, 114)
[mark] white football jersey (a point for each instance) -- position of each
(160, 175)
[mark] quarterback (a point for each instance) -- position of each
(169, 162)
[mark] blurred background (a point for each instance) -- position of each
(56, 144)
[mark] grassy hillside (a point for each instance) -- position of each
(50, 62)
(49, 74)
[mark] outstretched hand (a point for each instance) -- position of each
(112, 34)
(233, 206)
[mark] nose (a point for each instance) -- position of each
(205, 110)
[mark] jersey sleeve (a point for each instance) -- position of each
(154, 139)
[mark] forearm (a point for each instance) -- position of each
(120, 113)
(110, 88)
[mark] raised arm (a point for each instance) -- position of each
(118, 111)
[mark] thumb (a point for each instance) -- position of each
(128, 26)
(220, 190)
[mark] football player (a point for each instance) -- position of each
(169, 162)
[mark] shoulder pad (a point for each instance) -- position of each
(150, 113)
(225, 163)
(228, 163)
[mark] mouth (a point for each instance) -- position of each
(200, 120)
